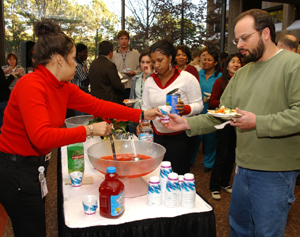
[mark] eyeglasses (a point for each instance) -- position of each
(243, 38)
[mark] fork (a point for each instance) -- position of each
(222, 125)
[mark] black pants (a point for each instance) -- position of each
(225, 157)
(179, 150)
(20, 195)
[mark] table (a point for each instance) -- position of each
(138, 220)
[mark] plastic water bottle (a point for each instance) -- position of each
(147, 132)
(165, 170)
(154, 192)
(188, 193)
(172, 193)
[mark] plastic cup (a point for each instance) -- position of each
(165, 109)
(90, 205)
(76, 178)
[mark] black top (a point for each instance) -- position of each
(4, 84)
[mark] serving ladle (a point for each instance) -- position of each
(135, 158)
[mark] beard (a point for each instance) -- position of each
(256, 54)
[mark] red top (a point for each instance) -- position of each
(191, 69)
(216, 93)
(37, 109)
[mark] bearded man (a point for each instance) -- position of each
(266, 93)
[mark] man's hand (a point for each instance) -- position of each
(247, 121)
(177, 123)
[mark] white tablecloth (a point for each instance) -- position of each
(135, 208)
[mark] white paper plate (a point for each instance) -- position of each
(131, 101)
(124, 80)
(225, 116)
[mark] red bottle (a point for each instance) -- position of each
(111, 193)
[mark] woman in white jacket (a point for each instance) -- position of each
(165, 79)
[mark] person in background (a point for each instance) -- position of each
(104, 78)
(243, 61)
(166, 78)
(5, 81)
(81, 78)
(196, 60)
(288, 42)
(226, 137)
(137, 84)
(210, 73)
(126, 60)
(13, 68)
(33, 121)
(223, 56)
(266, 93)
(183, 58)
(202, 54)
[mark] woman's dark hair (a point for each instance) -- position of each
(225, 74)
(186, 50)
(166, 48)
(144, 53)
(51, 41)
(216, 59)
(262, 19)
(8, 57)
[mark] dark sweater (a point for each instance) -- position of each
(4, 83)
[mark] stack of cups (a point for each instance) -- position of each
(165, 170)
(172, 192)
(154, 192)
(188, 193)
(180, 181)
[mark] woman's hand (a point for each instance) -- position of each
(140, 127)
(177, 123)
(180, 107)
(151, 114)
(99, 129)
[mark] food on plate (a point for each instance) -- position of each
(222, 110)
(125, 101)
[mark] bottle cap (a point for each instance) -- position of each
(111, 169)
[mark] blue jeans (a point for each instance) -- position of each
(260, 202)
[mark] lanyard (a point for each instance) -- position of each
(124, 58)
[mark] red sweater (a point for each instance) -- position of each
(37, 109)
(216, 93)
(193, 71)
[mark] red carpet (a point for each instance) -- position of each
(3, 219)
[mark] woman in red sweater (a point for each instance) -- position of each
(226, 137)
(183, 58)
(33, 121)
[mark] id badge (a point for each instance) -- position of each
(44, 188)
(43, 183)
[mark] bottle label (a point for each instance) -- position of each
(117, 204)
(75, 158)
(146, 137)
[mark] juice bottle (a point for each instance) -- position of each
(111, 193)
(75, 157)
